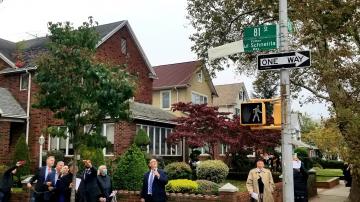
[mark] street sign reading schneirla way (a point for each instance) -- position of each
(260, 38)
(284, 60)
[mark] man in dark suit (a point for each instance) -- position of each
(7, 182)
(154, 182)
(88, 189)
(44, 177)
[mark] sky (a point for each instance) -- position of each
(160, 26)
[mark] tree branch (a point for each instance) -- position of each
(311, 90)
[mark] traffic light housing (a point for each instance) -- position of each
(253, 113)
(270, 116)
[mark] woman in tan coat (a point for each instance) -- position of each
(260, 183)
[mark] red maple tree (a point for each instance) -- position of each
(205, 125)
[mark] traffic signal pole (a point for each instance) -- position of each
(286, 146)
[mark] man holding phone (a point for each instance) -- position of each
(89, 190)
(7, 182)
(154, 182)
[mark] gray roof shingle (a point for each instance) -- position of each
(150, 113)
(9, 107)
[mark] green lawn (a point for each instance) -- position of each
(323, 178)
(237, 183)
(329, 172)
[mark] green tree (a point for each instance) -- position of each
(266, 85)
(130, 170)
(21, 154)
(329, 28)
(307, 124)
(79, 89)
(142, 139)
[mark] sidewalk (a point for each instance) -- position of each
(335, 194)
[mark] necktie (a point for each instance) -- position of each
(151, 180)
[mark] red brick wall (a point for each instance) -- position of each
(136, 65)
(124, 136)
(5, 141)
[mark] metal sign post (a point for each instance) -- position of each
(286, 147)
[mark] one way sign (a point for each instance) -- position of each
(284, 60)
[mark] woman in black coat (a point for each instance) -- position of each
(105, 184)
(300, 184)
(63, 188)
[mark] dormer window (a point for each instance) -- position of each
(123, 46)
(199, 76)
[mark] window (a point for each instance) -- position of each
(199, 76)
(109, 132)
(237, 111)
(24, 81)
(62, 144)
(223, 149)
(165, 99)
(158, 144)
(65, 145)
(204, 150)
(198, 99)
(241, 95)
(123, 46)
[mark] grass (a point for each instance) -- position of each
(237, 183)
(17, 190)
(323, 178)
(329, 172)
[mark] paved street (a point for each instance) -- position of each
(336, 194)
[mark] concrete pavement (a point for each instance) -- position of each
(338, 193)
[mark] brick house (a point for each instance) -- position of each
(119, 45)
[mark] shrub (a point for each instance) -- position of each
(301, 153)
(332, 164)
(207, 187)
(142, 139)
(181, 185)
(178, 170)
(3, 168)
(21, 153)
(213, 170)
(130, 169)
(317, 165)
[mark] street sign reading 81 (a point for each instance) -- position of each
(253, 114)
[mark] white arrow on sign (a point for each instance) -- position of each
(296, 59)
(226, 49)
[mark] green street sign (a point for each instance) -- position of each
(260, 38)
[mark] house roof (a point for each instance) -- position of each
(150, 113)
(32, 46)
(228, 94)
(9, 107)
(178, 75)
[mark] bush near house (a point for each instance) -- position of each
(181, 186)
(130, 169)
(178, 170)
(207, 187)
(141, 139)
(21, 153)
(212, 170)
(94, 154)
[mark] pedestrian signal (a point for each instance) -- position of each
(253, 113)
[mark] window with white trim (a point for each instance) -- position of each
(24, 81)
(158, 145)
(198, 99)
(204, 149)
(224, 148)
(123, 45)
(199, 76)
(62, 144)
(165, 99)
(66, 146)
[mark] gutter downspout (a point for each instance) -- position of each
(183, 140)
(28, 109)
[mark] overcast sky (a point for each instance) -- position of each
(160, 26)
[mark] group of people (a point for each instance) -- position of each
(55, 184)
(260, 183)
